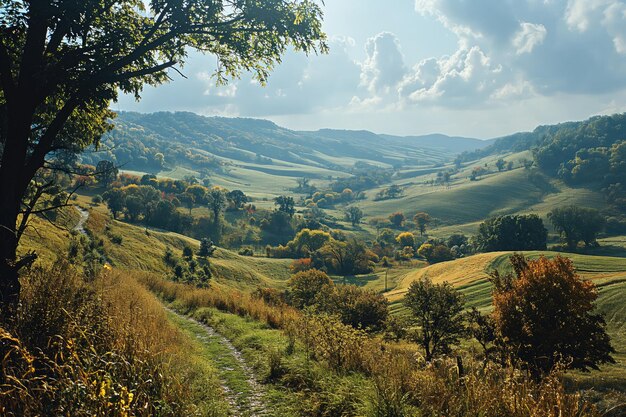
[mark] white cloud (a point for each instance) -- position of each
(466, 77)
(529, 36)
(383, 69)
(614, 20)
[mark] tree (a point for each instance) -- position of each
(512, 232)
(435, 253)
(405, 239)
(354, 215)
(347, 258)
(106, 172)
(577, 223)
(206, 248)
(63, 63)
(545, 312)
(500, 164)
(134, 207)
(397, 219)
(422, 220)
(216, 199)
(308, 241)
(304, 287)
(199, 193)
(188, 200)
(436, 311)
(285, 204)
(238, 198)
(115, 200)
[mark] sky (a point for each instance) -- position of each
(479, 68)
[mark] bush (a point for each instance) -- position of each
(305, 286)
(246, 252)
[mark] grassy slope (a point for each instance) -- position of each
(143, 249)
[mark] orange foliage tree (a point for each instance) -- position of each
(544, 316)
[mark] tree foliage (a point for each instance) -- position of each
(576, 224)
(512, 232)
(545, 315)
(354, 215)
(62, 63)
(305, 286)
(422, 220)
(436, 312)
(286, 204)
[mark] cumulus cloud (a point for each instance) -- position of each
(529, 36)
(384, 67)
(466, 76)
(542, 47)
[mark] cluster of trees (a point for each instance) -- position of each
(527, 232)
(391, 192)
(406, 245)
(365, 176)
(335, 254)
(359, 308)
(532, 325)
(330, 198)
(512, 232)
(190, 269)
(576, 224)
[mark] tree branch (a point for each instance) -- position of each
(42, 148)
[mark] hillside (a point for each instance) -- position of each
(257, 154)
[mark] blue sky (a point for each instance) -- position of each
(480, 68)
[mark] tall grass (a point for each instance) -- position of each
(103, 348)
(402, 383)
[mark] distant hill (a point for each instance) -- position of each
(198, 142)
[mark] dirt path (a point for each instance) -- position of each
(244, 394)
(84, 215)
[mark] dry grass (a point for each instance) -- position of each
(403, 385)
(95, 348)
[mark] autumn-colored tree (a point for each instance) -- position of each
(436, 312)
(422, 220)
(304, 287)
(397, 219)
(405, 239)
(434, 253)
(544, 313)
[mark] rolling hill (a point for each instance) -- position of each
(256, 155)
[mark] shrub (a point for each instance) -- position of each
(300, 265)
(304, 287)
(246, 252)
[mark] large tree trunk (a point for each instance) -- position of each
(9, 282)
(13, 183)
